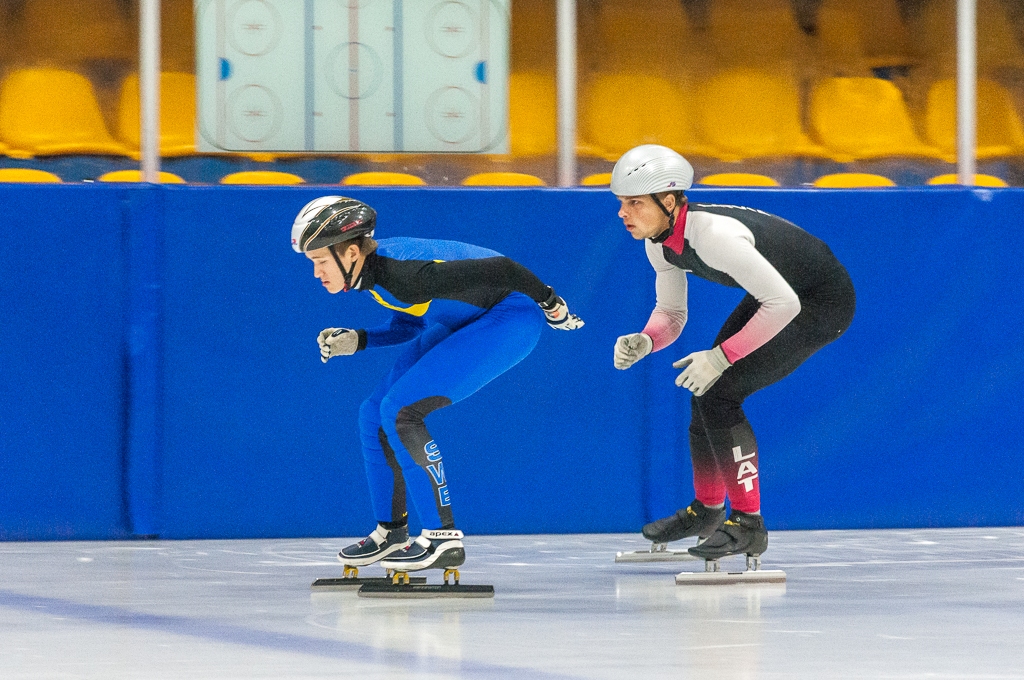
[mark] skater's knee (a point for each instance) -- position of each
(369, 417)
(716, 413)
(409, 418)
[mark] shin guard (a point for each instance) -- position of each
(707, 478)
(735, 451)
(399, 514)
(425, 453)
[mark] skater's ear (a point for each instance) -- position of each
(671, 199)
(350, 250)
(367, 245)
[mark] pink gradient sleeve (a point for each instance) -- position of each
(663, 328)
(725, 244)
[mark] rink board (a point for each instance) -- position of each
(188, 400)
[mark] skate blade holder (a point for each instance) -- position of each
(712, 575)
(351, 580)
(402, 586)
(659, 552)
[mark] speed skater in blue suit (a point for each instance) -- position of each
(465, 314)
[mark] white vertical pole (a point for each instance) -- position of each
(149, 89)
(966, 90)
(566, 41)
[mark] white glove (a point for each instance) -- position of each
(702, 370)
(631, 348)
(557, 314)
(337, 342)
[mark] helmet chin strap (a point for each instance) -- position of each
(668, 230)
(345, 273)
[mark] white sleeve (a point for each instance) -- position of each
(725, 244)
(669, 315)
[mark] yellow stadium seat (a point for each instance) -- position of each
(177, 35)
(76, 31)
(848, 180)
(754, 32)
(660, 26)
(27, 175)
(853, 37)
(532, 35)
(532, 113)
(839, 41)
(502, 179)
(739, 179)
(261, 177)
(622, 110)
(998, 47)
(383, 179)
(177, 114)
(750, 113)
(5, 31)
(979, 180)
(136, 176)
(999, 127)
(864, 118)
(597, 179)
(48, 111)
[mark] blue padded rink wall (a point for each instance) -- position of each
(161, 380)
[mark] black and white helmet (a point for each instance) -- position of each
(329, 220)
(650, 169)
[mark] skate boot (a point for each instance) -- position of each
(432, 549)
(695, 520)
(375, 547)
(742, 533)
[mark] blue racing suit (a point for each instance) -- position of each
(467, 315)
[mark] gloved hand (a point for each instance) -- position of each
(337, 342)
(631, 348)
(557, 314)
(702, 370)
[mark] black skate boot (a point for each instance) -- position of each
(432, 549)
(375, 547)
(742, 533)
(696, 519)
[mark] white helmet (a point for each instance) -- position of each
(329, 220)
(306, 215)
(650, 169)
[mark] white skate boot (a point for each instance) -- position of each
(374, 548)
(432, 549)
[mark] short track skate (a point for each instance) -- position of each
(742, 534)
(713, 575)
(659, 552)
(352, 580)
(402, 586)
(696, 519)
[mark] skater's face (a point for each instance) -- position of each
(326, 269)
(642, 216)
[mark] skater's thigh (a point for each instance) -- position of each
(770, 363)
(411, 354)
(738, 318)
(474, 355)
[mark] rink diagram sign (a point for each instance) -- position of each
(352, 75)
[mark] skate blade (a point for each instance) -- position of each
(420, 591)
(352, 583)
(717, 578)
(654, 556)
